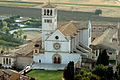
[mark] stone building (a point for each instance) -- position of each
(19, 57)
(108, 40)
(61, 42)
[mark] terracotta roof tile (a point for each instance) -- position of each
(104, 40)
(72, 27)
(68, 29)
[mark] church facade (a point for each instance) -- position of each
(61, 42)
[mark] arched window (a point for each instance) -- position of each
(9, 61)
(35, 51)
(6, 60)
(3, 60)
(48, 12)
(51, 12)
(39, 60)
(44, 11)
(56, 59)
(59, 60)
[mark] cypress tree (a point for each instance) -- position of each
(103, 58)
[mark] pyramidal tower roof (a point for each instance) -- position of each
(49, 5)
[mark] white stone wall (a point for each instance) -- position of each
(0, 60)
(38, 57)
(65, 57)
(64, 46)
(64, 42)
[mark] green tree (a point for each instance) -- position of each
(86, 75)
(110, 73)
(100, 71)
(5, 29)
(4, 23)
(25, 37)
(69, 71)
(16, 34)
(104, 72)
(103, 58)
(2, 51)
(20, 32)
(98, 12)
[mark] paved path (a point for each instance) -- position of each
(28, 29)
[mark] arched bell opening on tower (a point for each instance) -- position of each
(48, 12)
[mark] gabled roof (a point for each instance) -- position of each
(9, 71)
(104, 40)
(70, 28)
(49, 6)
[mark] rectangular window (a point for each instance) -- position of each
(48, 20)
(94, 29)
(45, 21)
(100, 29)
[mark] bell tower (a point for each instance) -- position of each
(49, 21)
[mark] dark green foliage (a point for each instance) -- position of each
(103, 58)
(104, 72)
(86, 75)
(2, 51)
(25, 37)
(69, 72)
(32, 79)
(101, 71)
(110, 73)
(98, 12)
(8, 39)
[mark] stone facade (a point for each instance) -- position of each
(59, 44)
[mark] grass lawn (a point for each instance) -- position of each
(17, 4)
(45, 75)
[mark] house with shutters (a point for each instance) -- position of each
(61, 42)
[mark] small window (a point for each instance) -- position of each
(45, 20)
(48, 12)
(56, 37)
(9, 61)
(110, 53)
(6, 60)
(94, 28)
(100, 29)
(3, 60)
(105, 28)
(35, 51)
(45, 12)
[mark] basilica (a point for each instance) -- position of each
(61, 42)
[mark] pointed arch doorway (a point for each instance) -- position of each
(56, 59)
